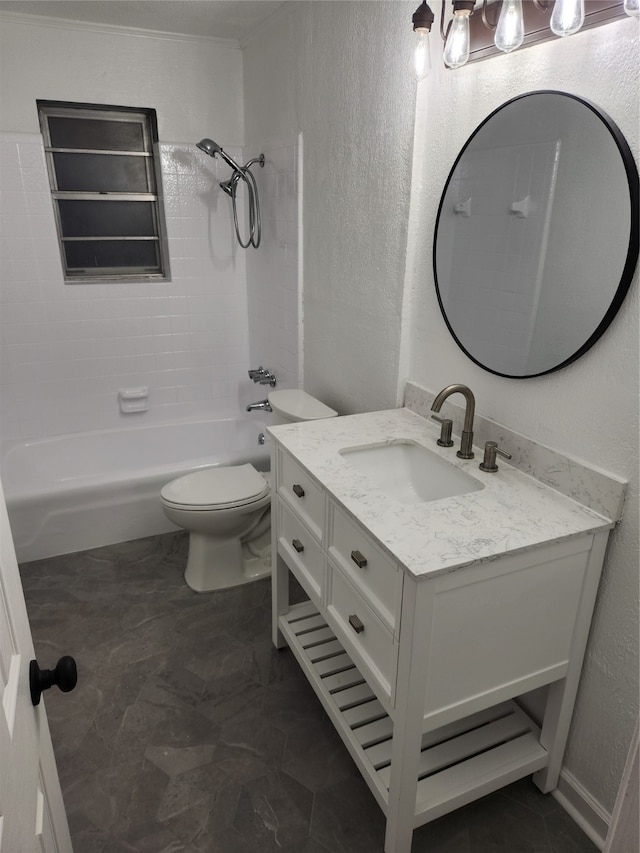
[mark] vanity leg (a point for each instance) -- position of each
(408, 720)
(562, 694)
(279, 570)
(279, 596)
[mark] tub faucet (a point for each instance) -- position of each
(260, 406)
(466, 444)
(263, 375)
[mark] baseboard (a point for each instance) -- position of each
(585, 810)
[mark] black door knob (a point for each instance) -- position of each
(65, 675)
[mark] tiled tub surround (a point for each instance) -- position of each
(420, 639)
(84, 490)
(68, 349)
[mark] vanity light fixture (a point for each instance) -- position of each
(422, 19)
(470, 36)
(456, 47)
(510, 29)
(567, 17)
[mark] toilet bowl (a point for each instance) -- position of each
(227, 510)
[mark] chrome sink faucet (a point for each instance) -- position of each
(466, 444)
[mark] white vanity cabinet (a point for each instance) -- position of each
(420, 673)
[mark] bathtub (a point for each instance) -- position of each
(84, 490)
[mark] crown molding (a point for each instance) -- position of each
(112, 29)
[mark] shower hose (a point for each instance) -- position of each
(255, 230)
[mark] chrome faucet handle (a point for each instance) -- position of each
(445, 439)
(488, 464)
(267, 378)
(256, 374)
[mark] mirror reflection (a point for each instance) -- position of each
(537, 234)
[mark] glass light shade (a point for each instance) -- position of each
(421, 59)
(567, 17)
(456, 49)
(632, 8)
(510, 29)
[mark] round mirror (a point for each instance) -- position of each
(537, 234)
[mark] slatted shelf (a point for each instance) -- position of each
(459, 762)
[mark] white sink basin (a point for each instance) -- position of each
(409, 472)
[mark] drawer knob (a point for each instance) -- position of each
(356, 624)
(297, 544)
(298, 490)
(359, 559)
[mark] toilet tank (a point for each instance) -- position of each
(292, 406)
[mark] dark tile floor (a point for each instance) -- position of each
(189, 732)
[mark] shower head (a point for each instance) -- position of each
(212, 148)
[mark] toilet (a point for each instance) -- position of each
(227, 510)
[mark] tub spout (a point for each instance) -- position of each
(260, 406)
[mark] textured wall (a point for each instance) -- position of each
(589, 409)
(272, 271)
(338, 72)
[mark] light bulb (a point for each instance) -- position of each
(567, 17)
(510, 29)
(421, 60)
(456, 49)
(632, 8)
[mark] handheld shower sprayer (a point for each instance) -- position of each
(230, 187)
(212, 148)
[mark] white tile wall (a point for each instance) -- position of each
(65, 350)
(272, 272)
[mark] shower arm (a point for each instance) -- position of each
(259, 159)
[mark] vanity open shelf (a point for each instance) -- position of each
(427, 621)
(458, 762)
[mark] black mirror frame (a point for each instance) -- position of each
(631, 260)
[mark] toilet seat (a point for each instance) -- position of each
(216, 488)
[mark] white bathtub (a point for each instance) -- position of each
(85, 490)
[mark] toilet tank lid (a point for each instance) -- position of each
(299, 406)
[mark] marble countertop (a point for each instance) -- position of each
(513, 512)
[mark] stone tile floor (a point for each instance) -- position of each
(188, 731)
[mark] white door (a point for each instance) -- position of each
(32, 815)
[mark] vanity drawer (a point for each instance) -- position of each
(301, 552)
(362, 633)
(370, 570)
(302, 493)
